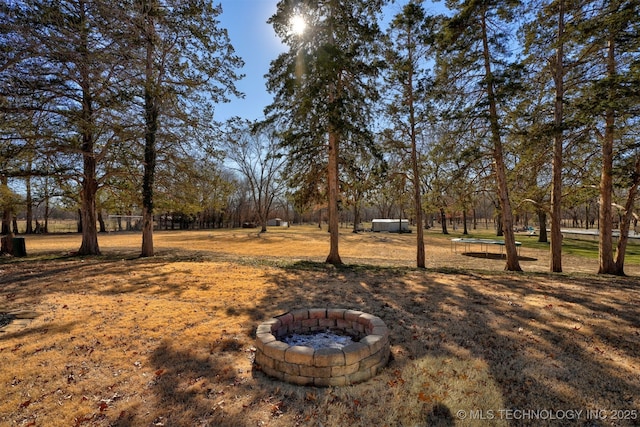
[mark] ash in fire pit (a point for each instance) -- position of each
(324, 364)
(327, 339)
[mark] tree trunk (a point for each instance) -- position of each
(443, 221)
(605, 243)
(420, 255)
(47, 209)
(88, 219)
(542, 220)
(415, 166)
(333, 183)
(464, 222)
(513, 263)
(147, 233)
(103, 226)
(558, 140)
(334, 256)
(356, 215)
(29, 202)
(89, 245)
(6, 244)
(625, 222)
(475, 219)
(151, 128)
(6, 210)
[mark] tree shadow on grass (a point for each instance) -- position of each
(541, 363)
(139, 275)
(190, 386)
(496, 256)
(546, 342)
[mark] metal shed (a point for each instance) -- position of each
(390, 225)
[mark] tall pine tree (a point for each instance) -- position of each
(324, 85)
(609, 36)
(185, 59)
(411, 38)
(474, 47)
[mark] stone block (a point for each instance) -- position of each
(383, 362)
(353, 333)
(264, 339)
(263, 360)
(275, 323)
(288, 368)
(366, 319)
(317, 313)
(309, 323)
(328, 357)
(301, 355)
(275, 349)
(295, 326)
(376, 321)
(335, 313)
(285, 319)
(375, 342)
(299, 379)
(327, 323)
(343, 324)
(300, 314)
(264, 328)
(372, 360)
(337, 371)
(272, 372)
(380, 330)
(355, 352)
(315, 371)
(282, 331)
(360, 376)
(352, 315)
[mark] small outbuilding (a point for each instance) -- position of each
(390, 225)
(276, 222)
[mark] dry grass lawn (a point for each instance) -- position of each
(117, 340)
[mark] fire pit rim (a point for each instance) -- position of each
(303, 365)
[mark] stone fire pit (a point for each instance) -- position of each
(304, 365)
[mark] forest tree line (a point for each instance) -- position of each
(529, 106)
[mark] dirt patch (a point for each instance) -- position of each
(124, 341)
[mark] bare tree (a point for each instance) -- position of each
(254, 153)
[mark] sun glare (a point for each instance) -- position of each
(298, 25)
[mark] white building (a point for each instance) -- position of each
(391, 225)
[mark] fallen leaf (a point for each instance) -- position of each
(423, 397)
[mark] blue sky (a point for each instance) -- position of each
(255, 41)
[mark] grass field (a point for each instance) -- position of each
(118, 340)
